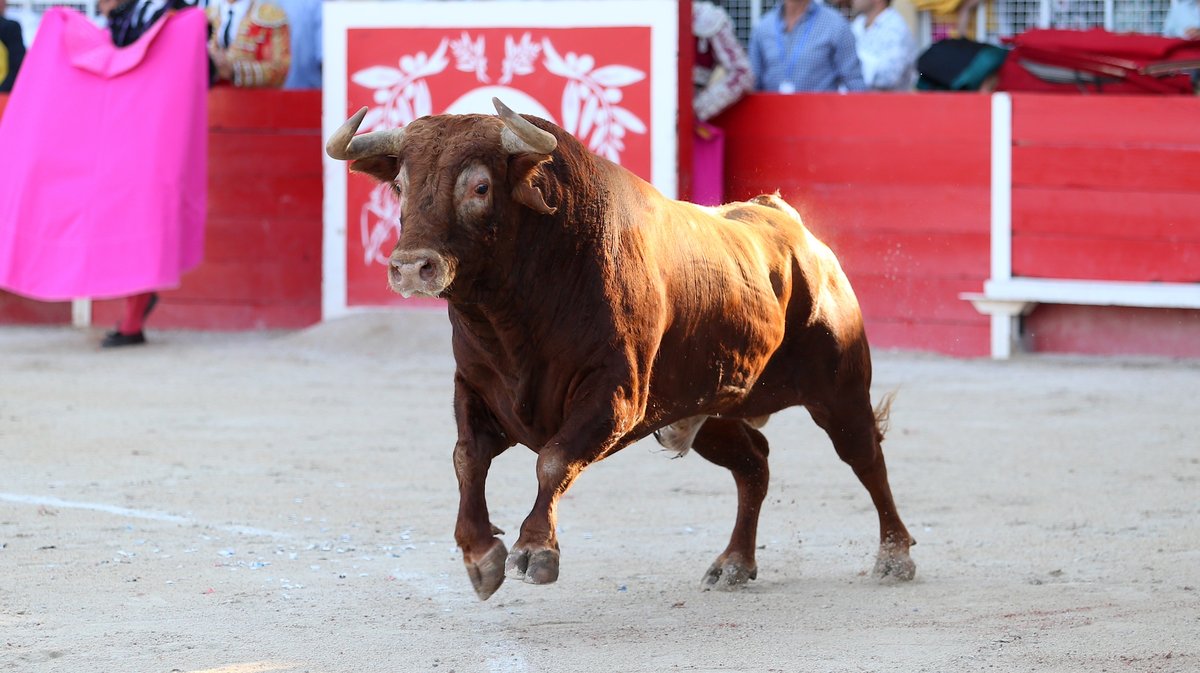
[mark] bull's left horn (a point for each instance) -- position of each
(520, 136)
(344, 145)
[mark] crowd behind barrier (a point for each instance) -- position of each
(890, 63)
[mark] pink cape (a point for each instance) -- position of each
(103, 160)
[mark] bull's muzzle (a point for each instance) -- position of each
(418, 272)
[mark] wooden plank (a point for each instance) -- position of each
(947, 338)
(262, 283)
(249, 240)
(1117, 214)
(785, 162)
(1114, 331)
(890, 208)
(899, 254)
(1046, 256)
(18, 310)
(254, 154)
(1094, 292)
(271, 197)
(1112, 121)
(925, 117)
(1157, 169)
(929, 297)
(175, 313)
(273, 110)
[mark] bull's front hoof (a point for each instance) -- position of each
(894, 562)
(727, 576)
(539, 567)
(487, 574)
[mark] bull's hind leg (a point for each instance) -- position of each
(857, 432)
(733, 444)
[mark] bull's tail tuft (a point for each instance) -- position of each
(883, 415)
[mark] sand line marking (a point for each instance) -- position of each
(49, 501)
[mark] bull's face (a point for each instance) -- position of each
(459, 178)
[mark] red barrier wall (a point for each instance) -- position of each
(897, 185)
(1108, 188)
(262, 262)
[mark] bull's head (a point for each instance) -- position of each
(459, 178)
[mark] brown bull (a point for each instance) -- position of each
(589, 311)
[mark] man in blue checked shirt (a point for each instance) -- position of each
(804, 45)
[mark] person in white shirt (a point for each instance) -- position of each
(885, 45)
(1183, 20)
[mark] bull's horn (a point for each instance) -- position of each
(521, 137)
(344, 145)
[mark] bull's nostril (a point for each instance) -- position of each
(427, 271)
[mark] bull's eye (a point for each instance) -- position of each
(481, 188)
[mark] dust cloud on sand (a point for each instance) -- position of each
(278, 502)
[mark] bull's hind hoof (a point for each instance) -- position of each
(728, 576)
(539, 567)
(487, 574)
(895, 563)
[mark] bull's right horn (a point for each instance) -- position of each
(521, 137)
(344, 145)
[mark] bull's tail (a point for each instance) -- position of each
(883, 415)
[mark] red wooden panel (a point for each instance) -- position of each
(917, 297)
(1106, 259)
(900, 254)
(888, 208)
(253, 154)
(926, 117)
(1116, 121)
(175, 313)
(1114, 331)
(1159, 169)
(262, 283)
(270, 197)
(1106, 214)
(249, 240)
(962, 340)
(784, 162)
(273, 110)
(18, 310)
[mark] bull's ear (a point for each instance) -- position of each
(383, 168)
(526, 172)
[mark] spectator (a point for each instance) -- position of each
(129, 20)
(250, 44)
(885, 46)
(1183, 20)
(803, 45)
(12, 50)
(720, 75)
(304, 28)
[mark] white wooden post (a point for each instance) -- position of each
(1004, 323)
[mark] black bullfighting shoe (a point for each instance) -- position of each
(116, 339)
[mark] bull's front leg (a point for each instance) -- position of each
(535, 556)
(479, 441)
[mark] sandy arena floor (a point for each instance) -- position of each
(253, 503)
